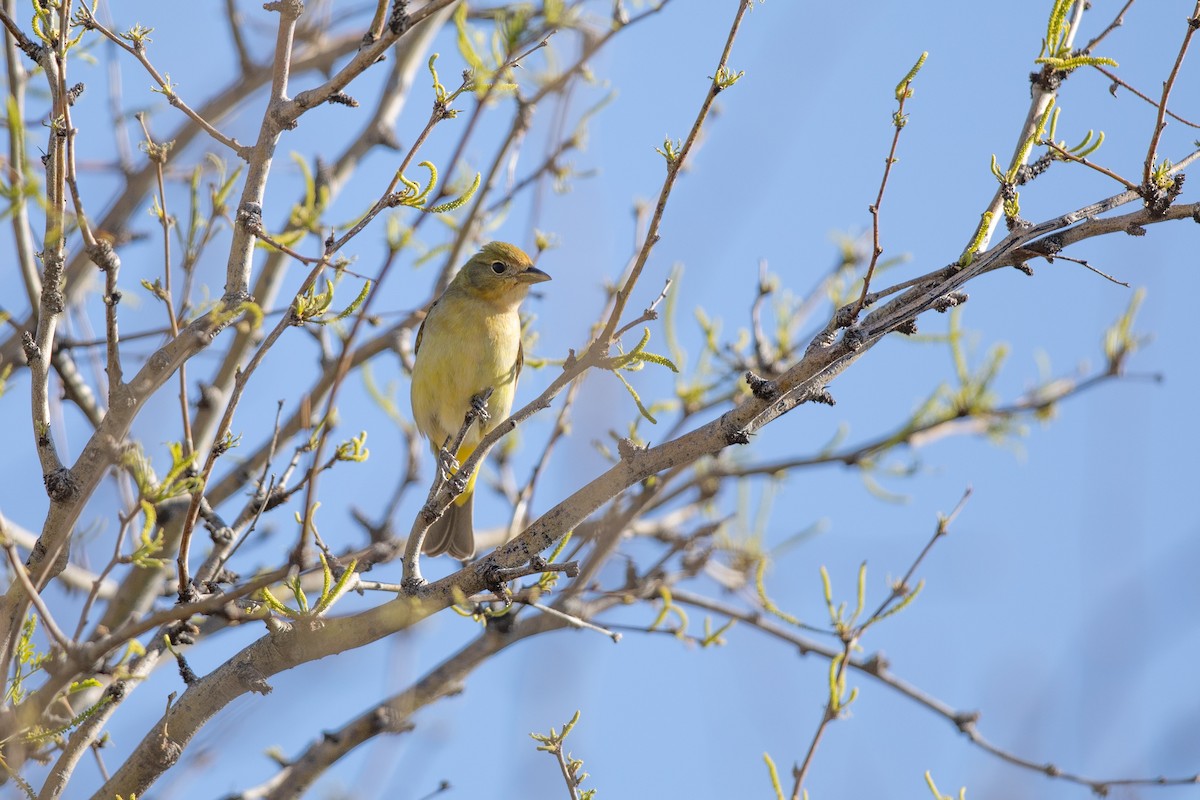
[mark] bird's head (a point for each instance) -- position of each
(500, 272)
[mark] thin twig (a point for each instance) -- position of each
(18, 569)
(1116, 79)
(27, 45)
(575, 622)
(1083, 262)
(674, 165)
(224, 426)
(168, 89)
(828, 715)
(649, 314)
(235, 34)
(525, 496)
(263, 493)
(572, 787)
(876, 667)
(158, 154)
(902, 94)
(1117, 22)
(1160, 123)
(852, 632)
(441, 111)
(901, 588)
(94, 592)
(1067, 155)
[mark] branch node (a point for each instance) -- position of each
(430, 512)
(822, 396)
(250, 677)
(965, 720)
(949, 301)
(739, 436)
(1015, 224)
(33, 353)
(184, 632)
(1158, 197)
(762, 388)
(627, 450)
(1048, 79)
(496, 577)
(398, 21)
(168, 750)
(61, 485)
(342, 99)
(570, 568)
(876, 665)
(103, 256)
(249, 216)
(52, 296)
(1051, 245)
(185, 670)
(288, 9)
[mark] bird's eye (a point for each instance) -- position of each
(498, 267)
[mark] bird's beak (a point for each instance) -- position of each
(533, 275)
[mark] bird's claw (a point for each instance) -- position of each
(448, 464)
(479, 406)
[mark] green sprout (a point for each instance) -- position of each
(670, 150)
(331, 592)
(635, 360)
(572, 767)
(1056, 52)
(725, 78)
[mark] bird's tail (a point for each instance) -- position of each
(454, 531)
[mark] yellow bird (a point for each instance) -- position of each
(470, 341)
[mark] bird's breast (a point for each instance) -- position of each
(464, 350)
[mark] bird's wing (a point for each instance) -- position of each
(421, 330)
(520, 360)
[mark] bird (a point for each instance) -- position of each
(469, 342)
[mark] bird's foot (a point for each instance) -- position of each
(479, 405)
(448, 464)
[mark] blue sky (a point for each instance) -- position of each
(1062, 604)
